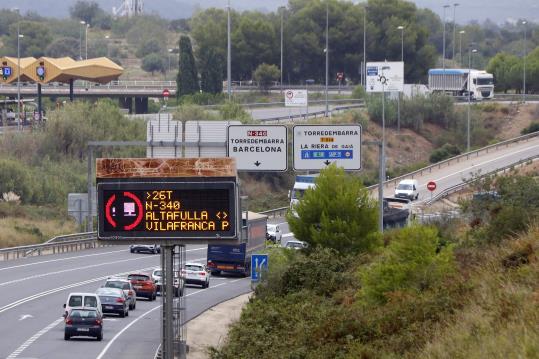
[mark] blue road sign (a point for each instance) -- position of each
(259, 263)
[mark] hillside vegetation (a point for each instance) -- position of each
(463, 289)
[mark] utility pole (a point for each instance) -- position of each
(86, 42)
(229, 60)
(470, 51)
(382, 173)
(327, 56)
(364, 68)
(461, 32)
(282, 11)
(524, 58)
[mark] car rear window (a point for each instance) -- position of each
(75, 301)
(90, 302)
(78, 313)
(114, 284)
(138, 277)
(194, 267)
(158, 273)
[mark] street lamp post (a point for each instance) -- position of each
(454, 28)
(107, 37)
(229, 56)
(364, 69)
(470, 51)
(327, 56)
(86, 42)
(382, 172)
(19, 36)
(524, 72)
(401, 28)
(80, 39)
(443, 49)
(281, 10)
(461, 32)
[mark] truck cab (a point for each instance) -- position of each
(303, 183)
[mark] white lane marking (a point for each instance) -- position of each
(35, 337)
(77, 257)
(59, 289)
(25, 316)
(288, 235)
(280, 224)
(104, 351)
(123, 330)
(481, 164)
(69, 270)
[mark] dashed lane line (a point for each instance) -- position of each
(35, 337)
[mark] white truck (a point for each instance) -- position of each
(303, 182)
(460, 82)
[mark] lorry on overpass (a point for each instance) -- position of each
(461, 82)
(236, 258)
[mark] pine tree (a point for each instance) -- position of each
(211, 80)
(187, 75)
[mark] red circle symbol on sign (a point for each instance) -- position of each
(289, 94)
(431, 186)
(166, 93)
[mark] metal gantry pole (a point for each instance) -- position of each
(229, 56)
(327, 56)
(167, 339)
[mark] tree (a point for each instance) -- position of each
(265, 75)
(211, 79)
(63, 46)
(152, 63)
(187, 75)
(36, 38)
(338, 213)
(85, 10)
(148, 47)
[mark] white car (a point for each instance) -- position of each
(82, 300)
(273, 233)
(196, 273)
(179, 284)
(126, 286)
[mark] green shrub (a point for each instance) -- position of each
(413, 262)
(533, 127)
(231, 110)
(14, 177)
(446, 151)
(359, 92)
(189, 112)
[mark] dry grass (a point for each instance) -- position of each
(23, 231)
(501, 316)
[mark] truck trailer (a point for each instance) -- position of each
(236, 258)
(460, 82)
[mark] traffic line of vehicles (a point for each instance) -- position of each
(84, 312)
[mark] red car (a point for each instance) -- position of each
(143, 285)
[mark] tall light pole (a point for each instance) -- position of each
(454, 28)
(82, 23)
(470, 51)
(86, 41)
(524, 72)
(18, 70)
(229, 57)
(461, 32)
(364, 69)
(107, 37)
(281, 10)
(168, 55)
(382, 173)
(401, 28)
(327, 56)
(443, 49)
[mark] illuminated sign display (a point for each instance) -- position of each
(129, 209)
(5, 72)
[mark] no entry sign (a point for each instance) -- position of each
(431, 186)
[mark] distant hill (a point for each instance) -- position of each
(498, 11)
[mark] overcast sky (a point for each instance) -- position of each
(496, 10)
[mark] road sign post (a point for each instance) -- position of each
(318, 146)
(258, 148)
(431, 186)
(259, 265)
(296, 98)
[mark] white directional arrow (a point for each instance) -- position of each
(25, 316)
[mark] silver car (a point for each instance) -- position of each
(126, 286)
(179, 283)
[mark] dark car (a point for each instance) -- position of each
(144, 285)
(86, 322)
(148, 248)
(113, 301)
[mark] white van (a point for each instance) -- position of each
(90, 300)
(407, 188)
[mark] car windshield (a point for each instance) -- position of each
(484, 81)
(297, 193)
(272, 228)
(138, 277)
(404, 187)
(75, 301)
(194, 268)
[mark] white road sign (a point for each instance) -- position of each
(258, 147)
(385, 76)
(296, 98)
(318, 146)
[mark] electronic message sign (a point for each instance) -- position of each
(131, 209)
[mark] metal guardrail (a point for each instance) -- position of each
(66, 238)
(305, 116)
(458, 158)
(277, 212)
(48, 248)
(458, 187)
